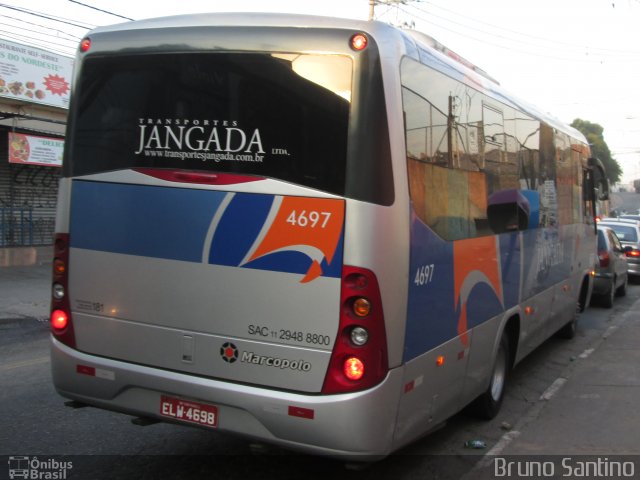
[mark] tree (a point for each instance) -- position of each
(599, 148)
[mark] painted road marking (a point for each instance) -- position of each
(553, 389)
(25, 363)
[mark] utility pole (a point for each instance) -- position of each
(373, 3)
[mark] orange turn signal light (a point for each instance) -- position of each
(361, 307)
(59, 266)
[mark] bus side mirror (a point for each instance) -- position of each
(510, 210)
(600, 181)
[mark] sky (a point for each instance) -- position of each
(570, 58)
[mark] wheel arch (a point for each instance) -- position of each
(584, 297)
(512, 331)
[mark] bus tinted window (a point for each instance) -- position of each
(478, 167)
(278, 116)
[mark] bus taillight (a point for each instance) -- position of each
(359, 42)
(61, 324)
(85, 44)
(59, 320)
(353, 368)
(359, 357)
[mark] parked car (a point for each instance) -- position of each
(629, 217)
(628, 232)
(611, 277)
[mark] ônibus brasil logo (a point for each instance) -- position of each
(229, 353)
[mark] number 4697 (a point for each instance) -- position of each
(309, 219)
(424, 275)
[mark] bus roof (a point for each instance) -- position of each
(416, 44)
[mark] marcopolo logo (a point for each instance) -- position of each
(282, 363)
(229, 353)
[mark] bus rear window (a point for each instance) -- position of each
(282, 116)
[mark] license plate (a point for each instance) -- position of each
(189, 411)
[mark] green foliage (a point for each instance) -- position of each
(599, 148)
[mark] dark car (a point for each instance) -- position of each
(611, 272)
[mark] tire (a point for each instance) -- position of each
(584, 300)
(622, 289)
(488, 404)
(607, 299)
(569, 330)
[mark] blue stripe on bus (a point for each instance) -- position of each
(511, 267)
(173, 223)
(233, 238)
(434, 313)
(160, 222)
(530, 262)
(431, 315)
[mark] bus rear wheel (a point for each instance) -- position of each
(488, 404)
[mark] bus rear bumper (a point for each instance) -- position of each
(355, 426)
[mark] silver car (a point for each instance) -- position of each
(628, 231)
(629, 217)
(611, 272)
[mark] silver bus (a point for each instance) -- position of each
(325, 234)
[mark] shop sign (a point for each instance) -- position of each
(33, 75)
(33, 150)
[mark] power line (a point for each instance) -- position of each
(554, 43)
(572, 57)
(73, 23)
(574, 53)
(37, 43)
(100, 10)
(35, 39)
(388, 3)
(73, 39)
(39, 25)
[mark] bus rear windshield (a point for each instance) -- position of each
(282, 116)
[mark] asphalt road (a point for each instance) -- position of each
(35, 422)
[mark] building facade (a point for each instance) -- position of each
(34, 98)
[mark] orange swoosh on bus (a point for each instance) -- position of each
(475, 261)
(312, 226)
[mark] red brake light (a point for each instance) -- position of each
(353, 368)
(61, 321)
(85, 44)
(359, 42)
(358, 364)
